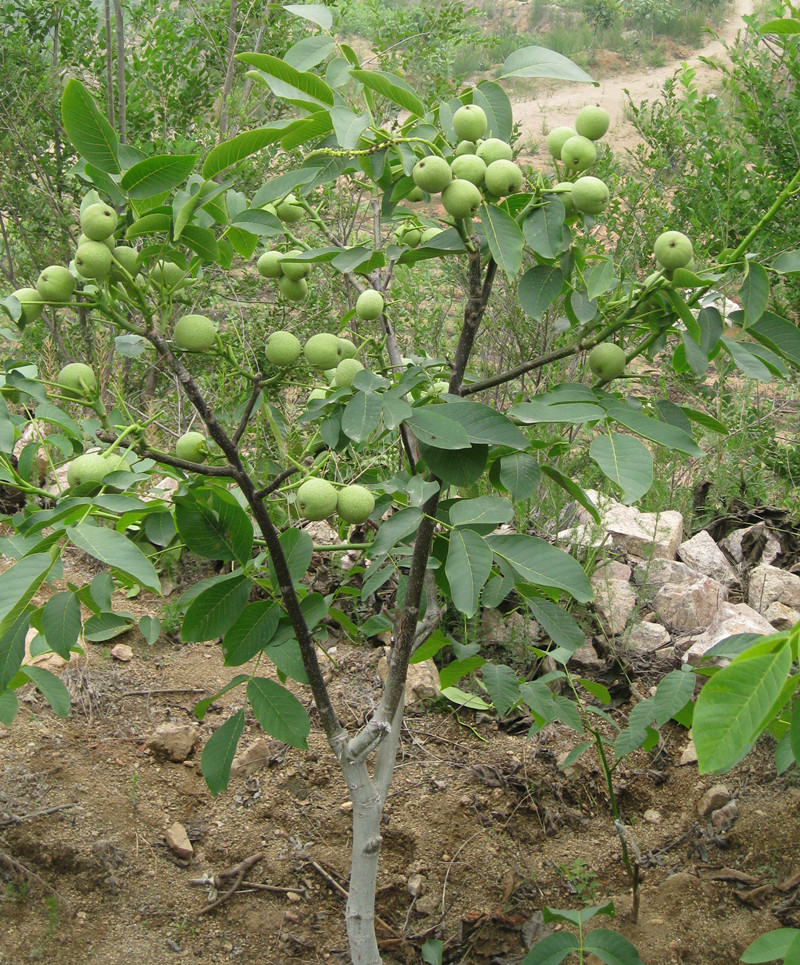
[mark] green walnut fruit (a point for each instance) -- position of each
(194, 333)
(294, 269)
(346, 371)
(30, 303)
(91, 467)
(556, 140)
(428, 234)
(469, 167)
(493, 149)
(322, 351)
(564, 189)
(432, 174)
(192, 446)
(77, 381)
(283, 348)
(415, 194)
(127, 258)
(408, 234)
(607, 361)
(673, 250)
(167, 275)
(98, 221)
(469, 122)
(503, 177)
(369, 305)
(592, 122)
(461, 198)
(93, 259)
(346, 348)
(355, 504)
(295, 291)
(316, 499)
(117, 461)
(590, 195)
(56, 284)
(269, 264)
(465, 147)
(110, 242)
(289, 210)
(578, 153)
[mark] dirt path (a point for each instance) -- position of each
(560, 104)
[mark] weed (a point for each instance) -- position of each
(582, 880)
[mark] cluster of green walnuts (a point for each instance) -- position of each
(574, 148)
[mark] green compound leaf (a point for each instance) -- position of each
(89, 132)
(61, 622)
(279, 712)
(734, 706)
(468, 566)
(504, 237)
(51, 687)
(117, 551)
(215, 610)
(157, 174)
(625, 461)
(218, 754)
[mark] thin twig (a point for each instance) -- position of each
(248, 409)
(239, 871)
(337, 887)
(18, 819)
(165, 690)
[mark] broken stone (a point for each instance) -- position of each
(730, 619)
(251, 759)
(723, 818)
(612, 570)
(687, 607)
(615, 601)
(714, 798)
(642, 535)
(178, 840)
(689, 754)
(416, 885)
(122, 652)
(781, 617)
(585, 659)
(651, 816)
(659, 572)
(732, 544)
(769, 584)
(173, 741)
(702, 553)
(646, 637)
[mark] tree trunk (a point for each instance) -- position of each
(368, 795)
(109, 63)
(227, 86)
(119, 26)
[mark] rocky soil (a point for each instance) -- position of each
(110, 840)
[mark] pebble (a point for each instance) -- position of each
(652, 816)
(122, 652)
(715, 797)
(178, 840)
